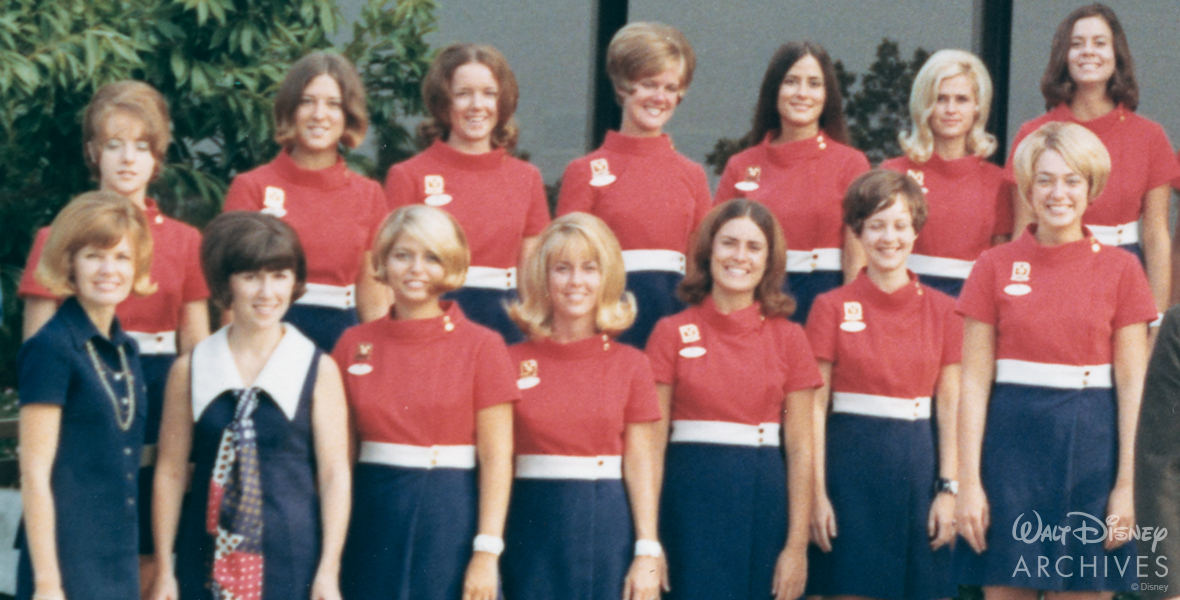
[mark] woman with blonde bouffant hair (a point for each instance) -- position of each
(582, 523)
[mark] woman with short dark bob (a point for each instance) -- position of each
(946, 151)
(798, 164)
(650, 195)
(427, 524)
(259, 412)
(582, 523)
(470, 172)
(319, 107)
(885, 454)
(1090, 80)
(735, 380)
(83, 408)
(1054, 343)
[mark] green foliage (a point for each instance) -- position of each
(218, 62)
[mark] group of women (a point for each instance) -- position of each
(438, 392)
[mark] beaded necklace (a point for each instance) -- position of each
(124, 405)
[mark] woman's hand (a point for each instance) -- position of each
(483, 577)
(643, 579)
(823, 523)
(1120, 513)
(973, 515)
(665, 579)
(165, 587)
(790, 573)
(940, 526)
(322, 588)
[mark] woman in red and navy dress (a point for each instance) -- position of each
(431, 394)
(582, 523)
(126, 133)
(736, 378)
(946, 151)
(1055, 337)
(470, 172)
(1090, 80)
(799, 165)
(651, 196)
(885, 454)
(319, 106)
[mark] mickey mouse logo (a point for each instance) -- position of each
(750, 183)
(435, 194)
(528, 375)
(854, 317)
(273, 200)
(361, 365)
(600, 174)
(919, 178)
(1021, 272)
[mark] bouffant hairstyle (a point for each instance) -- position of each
(766, 116)
(352, 97)
(644, 49)
(434, 228)
(1079, 147)
(436, 92)
(568, 234)
(243, 241)
(918, 143)
(100, 219)
(698, 282)
(878, 190)
(135, 99)
(1058, 87)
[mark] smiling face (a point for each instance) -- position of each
(1059, 197)
(652, 101)
(103, 276)
(574, 281)
(888, 238)
(124, 157)
(415, 274)
(319, 117)
(740, 252)
(474, 109)
(955, 108)
(801, 96)
(261, 298)
(1091, 52)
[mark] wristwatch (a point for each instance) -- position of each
(943, 485)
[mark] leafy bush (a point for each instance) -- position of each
(217, 62)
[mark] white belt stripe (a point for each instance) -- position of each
(491, 278)
(329, 296)
(870, 405)
(819, 259)
(163, 342)
(653, 260)
(724, 432)
(547, 466)
(1067, 377)
(1116, 235)
(938, 266)
(418, 457)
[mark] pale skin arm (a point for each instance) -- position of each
(40, 426)
(493, 438)
(940, 525)
(823, 518)
(373, 298)
(853, 256)
(662, 433)
(1157, 244)
(38, 311)
(790, 572)
(329, 426)
(1130, 367)
(979, 367)
(194, 325)
(643, 578)
(176, 438)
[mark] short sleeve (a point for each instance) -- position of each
(538, 215)
(29, 287)
(1135, 302)
(378, 210)
(1004, 215)
(45, 371)
(1163, 166)
(195, 287)
(661, 351)
(977, 300)
(796, 353)
(575, 194)
(642, 404)
(242, 195)
(702, 202)
(725, 189)
(821, 328)
(494, 380)
(1176, 181)
(399, 188)
(855, 166)
(952, 343)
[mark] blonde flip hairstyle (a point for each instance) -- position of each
(100, 219)
(533, 312)
(437, 230)
(1079, 147)
(918, 142)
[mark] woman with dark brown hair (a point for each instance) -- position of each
(1090, 80)
(469, 171)
(319, 107)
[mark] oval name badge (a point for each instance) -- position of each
(601, 180)
(692, 352)
(437, 199)
(746, 186)
(853, 326)
(525, 383)
(360, 369)
(1017, 289)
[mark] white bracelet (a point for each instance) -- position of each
(650, 548)
(488, 543)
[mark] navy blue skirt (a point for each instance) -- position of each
(488, 308)
(950, 286)
(567, 539)
(155, 375)
(321, 324)
(1048, 453)
(410, 535)
(655, 297)
(880, 475)
(723, 520)
(804, 287)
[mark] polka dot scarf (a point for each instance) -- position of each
(234, 515)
